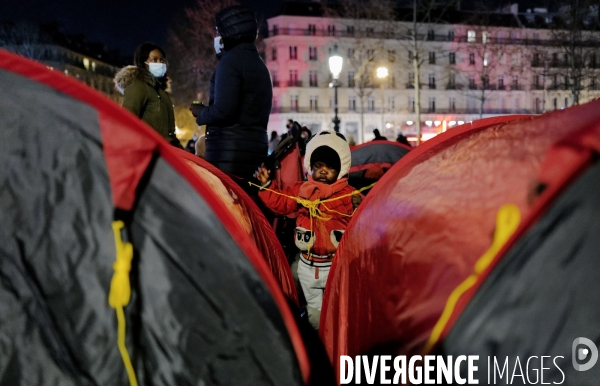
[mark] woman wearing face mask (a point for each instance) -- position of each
(144, 90)
(240, 98)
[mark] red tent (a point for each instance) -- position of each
(98, 211)
(251, 218)
(419, 233)
(540, 294)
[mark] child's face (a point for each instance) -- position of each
(323, 173)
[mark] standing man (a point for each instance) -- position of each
(240, 98)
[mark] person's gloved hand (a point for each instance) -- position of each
(195, 108)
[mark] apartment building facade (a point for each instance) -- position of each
(466, 71)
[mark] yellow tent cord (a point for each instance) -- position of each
(507, 221)
(313, 206)
(120, 294)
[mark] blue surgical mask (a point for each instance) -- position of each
(157, 69)
(218, 44)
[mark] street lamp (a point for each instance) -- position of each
(335, 66)
(382, 73)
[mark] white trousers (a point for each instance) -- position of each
(313, 289)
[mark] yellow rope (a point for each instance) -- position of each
(313, 206)
(120, 294)
(507, 221)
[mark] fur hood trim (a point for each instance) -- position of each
(130, 73)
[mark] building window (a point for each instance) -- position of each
(566, 104)
(293, 52)
(370, 55)
(274, 53)
(331, 30)
(293, 82)
(430, 34)
(275, 80)
(411, 80)
(410, 56)
(411, 104)
(452, 58)
(392, 82)
(471, 36)
(351, 79)
(517, 104)
(536, 60)
(352, 103)
(452, 104)
(314, 103)
(538, 105)
(391, 103)
(391, 56)
(472, 81)
(593, 60)
(312, 29)
(371, 104)
(500, 82)
(350, 53)
(472, 59)
(554, 62)
(432, 81)
(350, 30)
(370, 31)
(451, 82)
(485, 37)
(451, 35)
(294, 103)
(515, 83)
(432, 105)
(516, 59)
(432, 58)
(486, 58)
(313, 79)
(275, 29)
(555, 103)
(312, 53)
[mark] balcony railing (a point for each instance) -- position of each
(400, 34)
(294, 83)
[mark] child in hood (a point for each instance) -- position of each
(328, 161)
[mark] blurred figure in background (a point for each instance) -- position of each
(144, 89)
(240, 98)
(403, 140)
(273, 141)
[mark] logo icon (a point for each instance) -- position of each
(580, 354)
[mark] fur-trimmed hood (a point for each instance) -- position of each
(130, 73)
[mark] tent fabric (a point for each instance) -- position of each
(261, 231)
(376, 152)
(419, 232)
(371, 160)
(543, 293)
(204, 307)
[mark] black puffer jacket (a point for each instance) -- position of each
(238, 112)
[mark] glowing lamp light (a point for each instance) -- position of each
(452, 123)
(437, 123)
(428, 123)
(382, 72)
(388, 125)
(461, 122)
(409, 122)
(335, 65)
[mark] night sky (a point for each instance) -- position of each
(119, 24)
(124, 24)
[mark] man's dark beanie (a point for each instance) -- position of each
(236, 21)
(327, 155)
